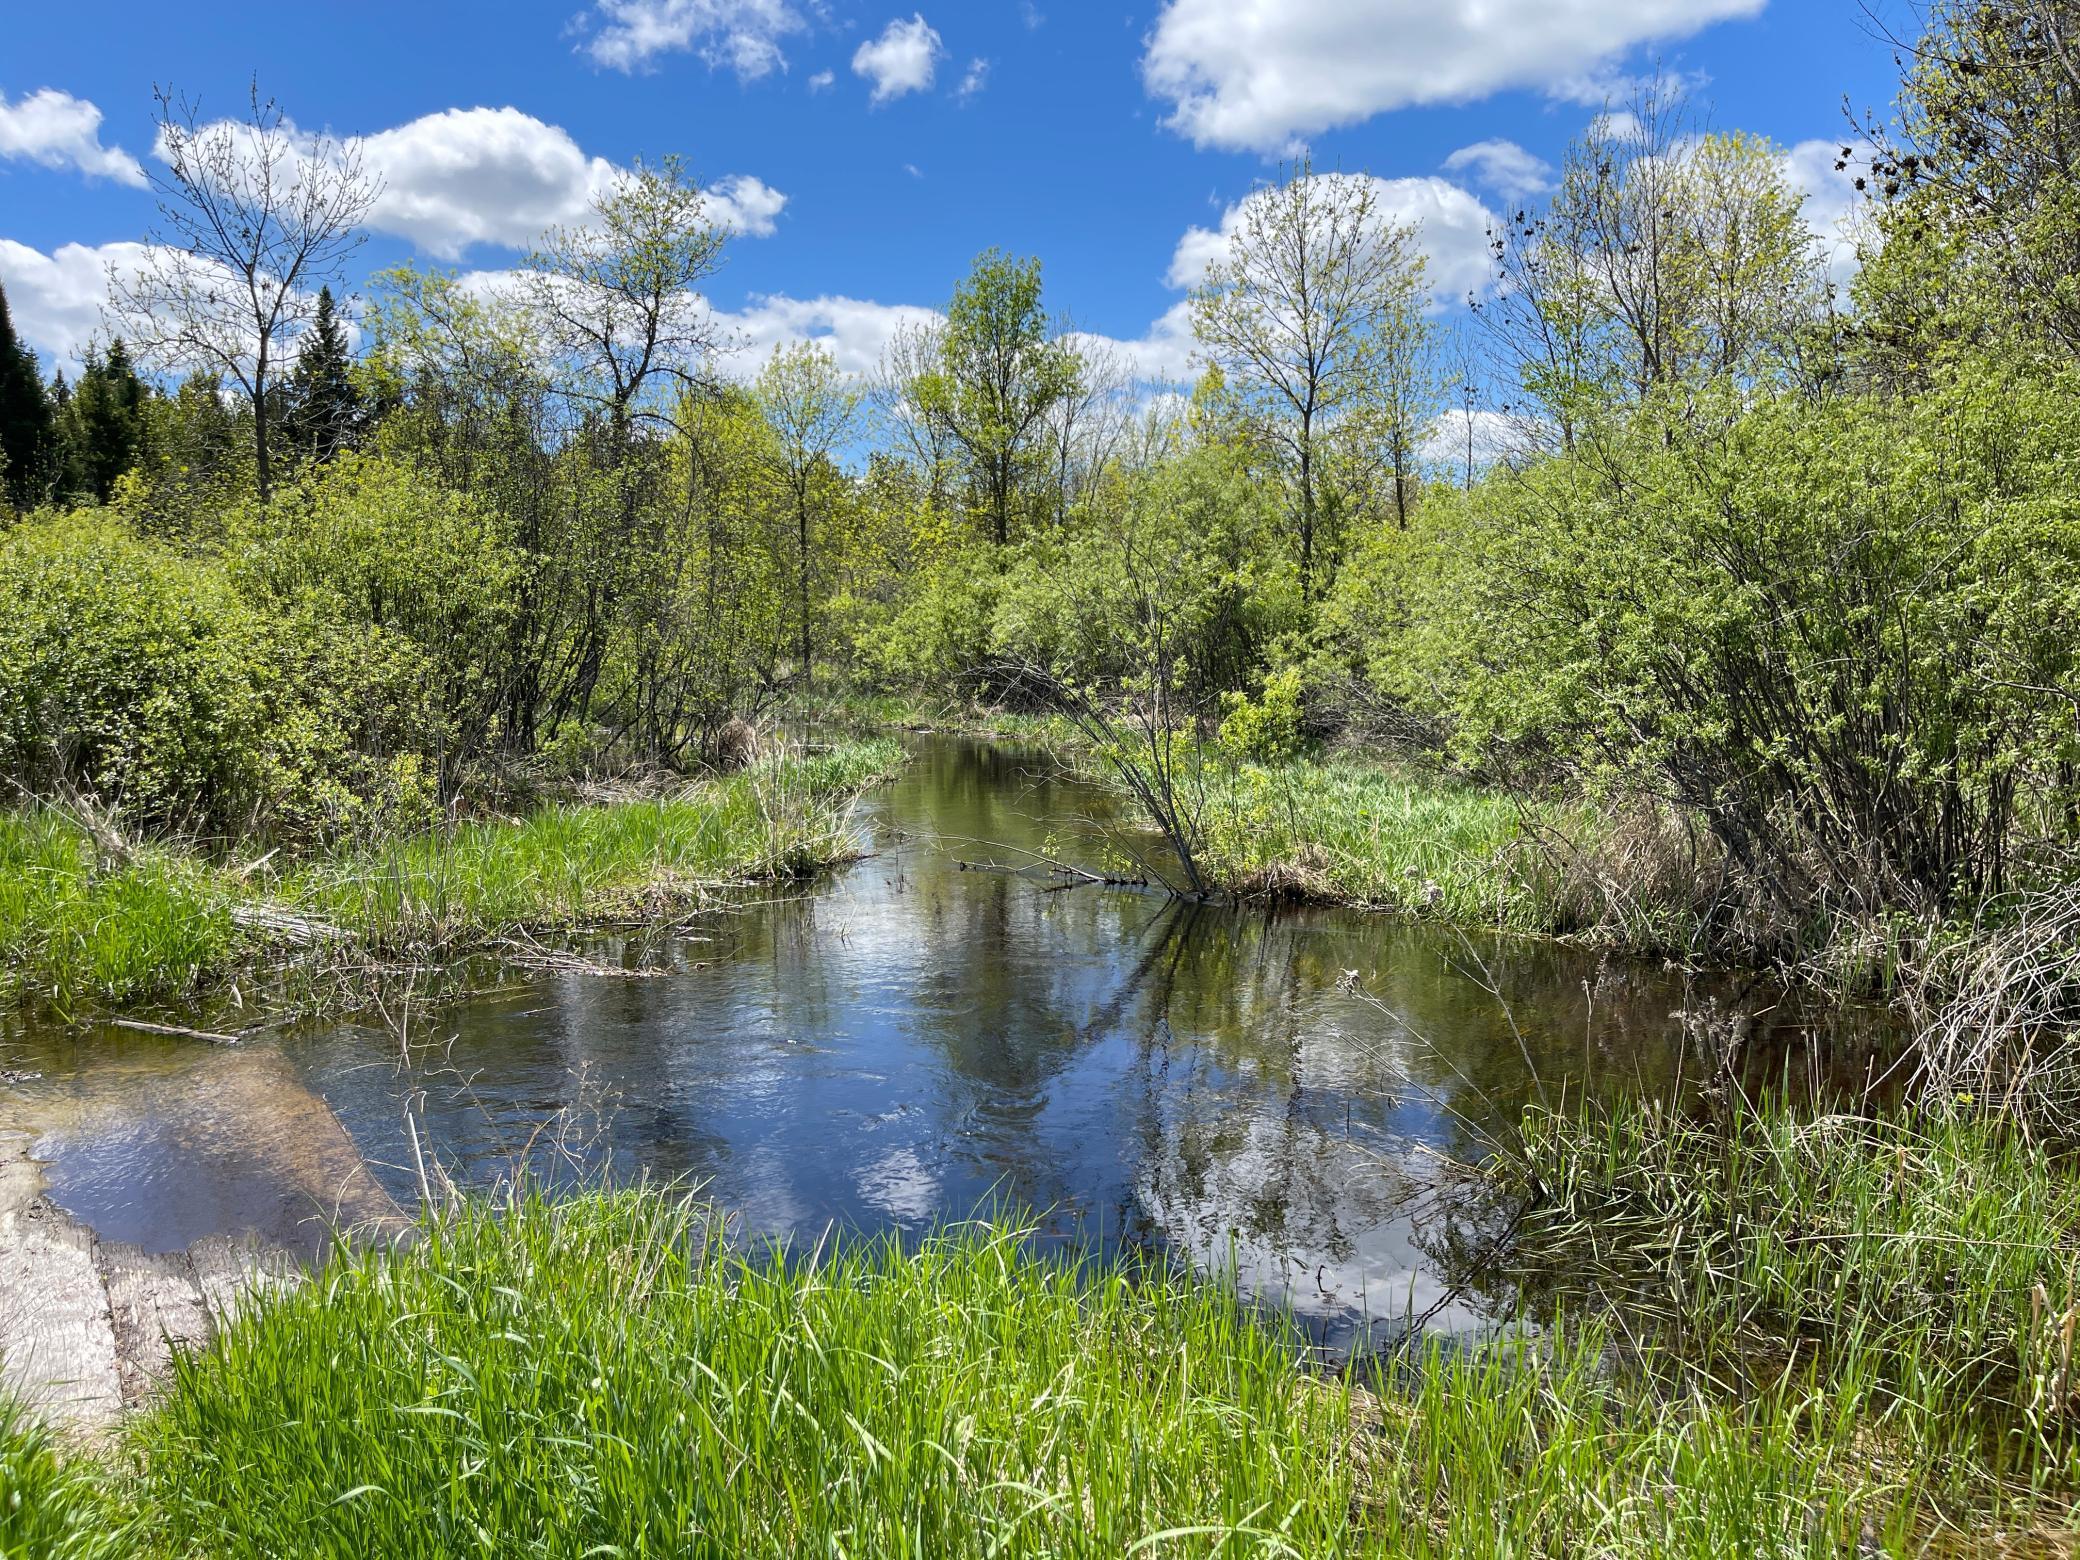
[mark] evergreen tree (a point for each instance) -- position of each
(25, 420)
(324, 411)
(101, 434)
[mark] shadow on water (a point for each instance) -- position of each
(1284, 1097)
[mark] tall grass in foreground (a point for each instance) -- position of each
(571, 863)
(75, 930)
(604, 1376)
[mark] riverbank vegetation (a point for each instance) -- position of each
(590, 1361)
(88, 923)
(1740, 583)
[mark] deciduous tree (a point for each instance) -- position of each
(1310, 305)
(255, 217)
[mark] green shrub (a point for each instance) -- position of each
(1840, 631)
(144, 678)
(382, 548)
(1266, 729)
(128, 671)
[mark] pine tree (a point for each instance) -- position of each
(324, 412)
(26, 429)
(102, 432)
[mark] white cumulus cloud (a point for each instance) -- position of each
(1452, 232)
(1489, 436)
(480, 176)
(903, 59)
(745, 205)
(743, 36)
(854, 331)
(974, 81)
(1258, 74)
(57, 130)
(468, 176)
(1502, 166)
(55, 299)
(1160, 354)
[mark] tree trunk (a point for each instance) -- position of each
(1306, 519)
(802, 520)
(263, 461)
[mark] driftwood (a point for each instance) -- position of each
(1075, 877)
(302, 930)
(180, 1030)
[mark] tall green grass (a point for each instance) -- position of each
(604, 1376)
(607, 1375)
(568, 864)
(54, 1506)
(75, 930)
(1914, 1278)
(1349, 831)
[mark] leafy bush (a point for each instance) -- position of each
(1840, 631)
(377, 546)
(145, 679)
(1265, 729)
(127, 671)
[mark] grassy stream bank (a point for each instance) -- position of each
(1350, 827)
(1739, 1329)
(608, 1375)
(83, 928)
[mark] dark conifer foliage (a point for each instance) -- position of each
(102, 432)
(26, 433)
(324, 411)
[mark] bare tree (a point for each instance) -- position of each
(1300, 314)
(913, 351)
(255, 217)
(1669, 255)
(1088, 425)
(630, 339)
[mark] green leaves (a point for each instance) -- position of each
(1839, 630)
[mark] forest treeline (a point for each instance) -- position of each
(1676, 523)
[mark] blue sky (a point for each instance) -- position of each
(870, 151)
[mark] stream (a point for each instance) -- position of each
(1281, 1096)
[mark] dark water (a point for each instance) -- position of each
(1280, 1095)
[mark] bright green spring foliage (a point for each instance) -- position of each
(602, 1376)
(1834, 632)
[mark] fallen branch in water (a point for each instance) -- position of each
(527, 957)
(180, 1030)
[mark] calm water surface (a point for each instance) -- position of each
(1276, 1095)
